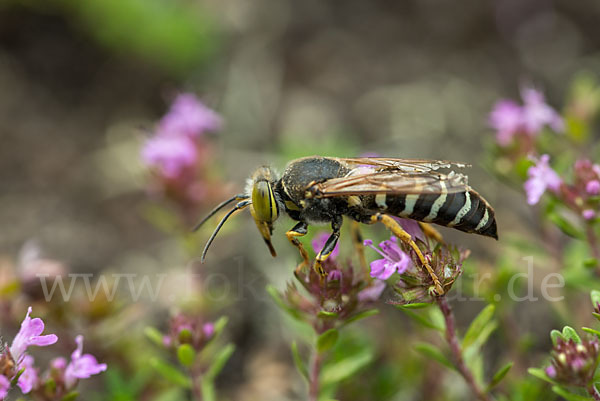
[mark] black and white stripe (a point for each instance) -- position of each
(465, 211)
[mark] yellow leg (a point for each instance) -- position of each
(431, 232)
(405, 237)
(299, 230)
(360, 249)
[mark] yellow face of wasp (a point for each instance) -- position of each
(263, 202)
(264, 205)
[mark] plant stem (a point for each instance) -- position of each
(592, 241)
(313, 376)
(459, 362)
(196, 386)
(593, 391)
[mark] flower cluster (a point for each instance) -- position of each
(342, 295)
(62, 376)
(414, 283)
(581, 196)
(185, 329)
(573, 361)
(178, 153)
(522, 123)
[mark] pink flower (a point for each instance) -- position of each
(208, 329)
(334, 275)
(171, 155)
(593, 187)
(551, 372)
(588, 214)
(4, 386)
(188, 116)
(319, 242)
(29, 378)
(537, 114)
(509, 118)
(541, 177)
(81, 366)
(506, 118)
(28, 335)
(372, 292)
(59, 363)
(394, 259)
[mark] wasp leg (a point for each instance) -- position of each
(360, 249)
(399, 232)
(328, 248)
(299, 230)
(431, 232)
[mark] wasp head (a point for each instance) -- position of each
(264, 208)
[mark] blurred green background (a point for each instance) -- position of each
(83, 81)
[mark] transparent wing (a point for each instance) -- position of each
(405, 165)
(390, 182)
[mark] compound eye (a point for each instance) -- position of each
(263, 202)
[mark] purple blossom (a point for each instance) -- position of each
(29, 378)
(4, 386)
(59, 363)
(412, 227)
(541, 177)
(588, 214)
(593, 187)
(170, 154)
(551, 372)
(319, 242)
(372, 292)
(28, 335)
(334, 275)
(537, 114)
(394, 259)
(208, 329)
(509, 118)
(189, 117)
(81, 366)
(506, 118)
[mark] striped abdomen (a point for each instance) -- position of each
(466, 211)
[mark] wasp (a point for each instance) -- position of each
(317, 190)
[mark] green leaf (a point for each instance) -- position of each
(155, 336)
(568, 395)
(298, 361)
(416, 305)
(327, 340)
(361, 315)
(540, 374)
(564, 225)
(555, 335)
(591, 331)
(590, 263)
(336, 372)
(220, 325)
(422, 320)
(499, 375)
(323, 314)
(186, 355)
(434, 353)
(477, 325)
(70, 396)
(595, 296)
(219, 362)
(171, 373)
(274, 293)
(15, 379)
(208, 389)
(569, 333)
